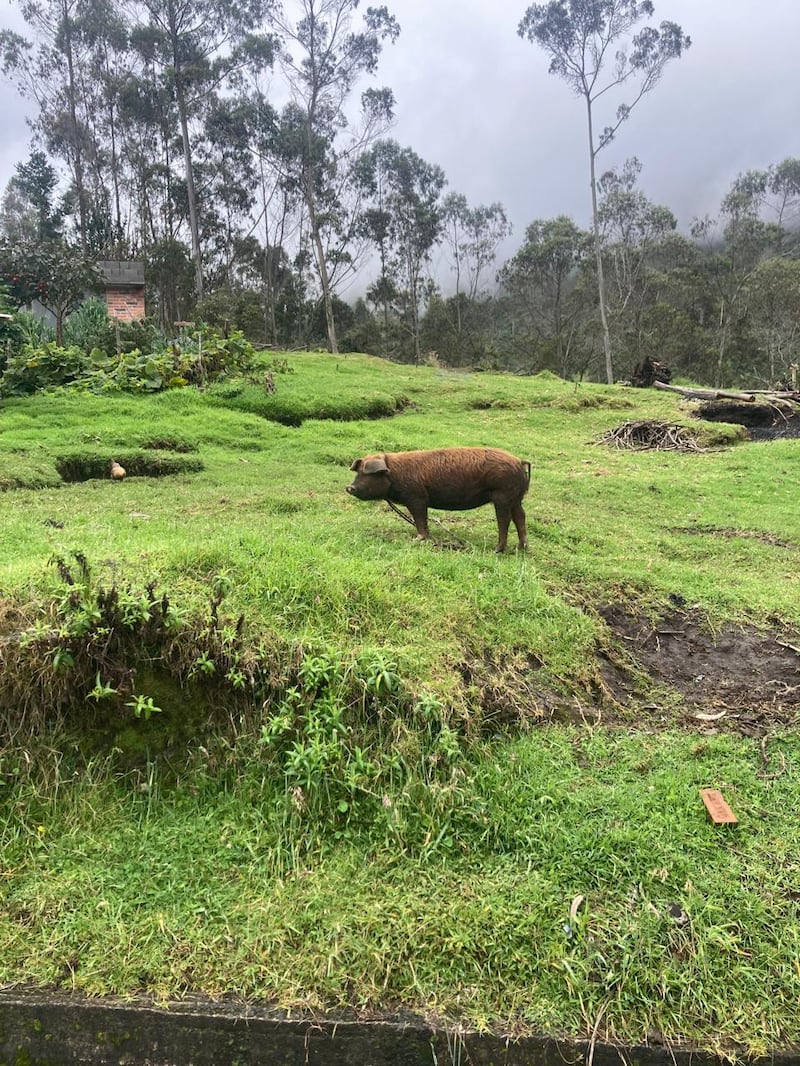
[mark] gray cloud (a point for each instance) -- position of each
(15, 140)
(476, 99)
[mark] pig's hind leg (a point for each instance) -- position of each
(518, 515)
(503, 513)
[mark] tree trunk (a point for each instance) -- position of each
(191, 197)
(322, 266)
(598, 251)
(723, 339)
(270, 321)
(269, 261)
(115, 173)
(190, 190)
(113, 136)
(413, 289)
(384, 295)
(715, 394)
(457, 258)
(77, 156)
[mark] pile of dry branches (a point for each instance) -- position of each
(649, 434)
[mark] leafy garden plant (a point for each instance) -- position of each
(199, 360)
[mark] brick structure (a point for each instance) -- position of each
(124, 288)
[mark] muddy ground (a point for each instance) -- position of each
(738, 678)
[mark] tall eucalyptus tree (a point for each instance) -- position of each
(196, 48)
(543, 282)
(633, 229)
(278, 200)
(327, 50)
(735, 243)
(106, 35)
(229, 183)
(410, 220)
(473, 235)
(593, 48)
(46, 70)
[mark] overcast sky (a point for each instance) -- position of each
(475, 98)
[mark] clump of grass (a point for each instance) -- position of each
(84, 465)
(580, 401)
(73, 649)
(293, 409)
(170, 443)
(93, 659)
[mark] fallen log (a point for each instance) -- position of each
(706, 394)
(762, 395)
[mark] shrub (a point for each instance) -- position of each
(35, 331)
(243, 310)
(90, 327)
(11, 334)
(33, 369)
(205, 356)
(199, 360)
(143, 333)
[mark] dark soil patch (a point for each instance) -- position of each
(766, 421)
(728, 534)
(738, 678)
(740, 412)
(781, 429)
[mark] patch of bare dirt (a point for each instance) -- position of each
(770, 419)
(746, 534)
(738, 678)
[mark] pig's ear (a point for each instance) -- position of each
(375, 466)
(356, 464)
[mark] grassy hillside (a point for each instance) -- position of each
(262, 741)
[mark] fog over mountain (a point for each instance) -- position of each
(478, 100)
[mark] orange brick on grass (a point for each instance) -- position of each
(718, 810)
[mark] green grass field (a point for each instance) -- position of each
(259, 740)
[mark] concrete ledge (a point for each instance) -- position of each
(61, 1029)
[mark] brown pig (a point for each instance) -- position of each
(449, 479)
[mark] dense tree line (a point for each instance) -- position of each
(242, 154)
